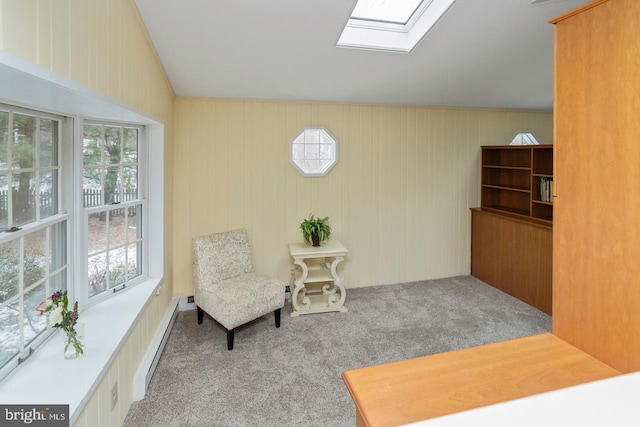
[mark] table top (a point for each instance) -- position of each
(327, 248)
(411, 390)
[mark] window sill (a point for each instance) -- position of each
(47, 378)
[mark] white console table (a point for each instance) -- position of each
(318, 288)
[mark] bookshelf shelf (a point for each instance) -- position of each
(503, 187)
(518, 180)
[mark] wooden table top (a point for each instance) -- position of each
(411, 390)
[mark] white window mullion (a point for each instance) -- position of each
(21, 346)
(121, 167)
(36, 161)
(107, 251)
(48, 250)
(79, 228)
(10, 169)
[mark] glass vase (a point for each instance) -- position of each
(73, 346)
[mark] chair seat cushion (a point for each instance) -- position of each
(240, 299)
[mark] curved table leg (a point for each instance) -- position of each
(299, 289)
(336, 299)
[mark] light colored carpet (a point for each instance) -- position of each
(291, 376)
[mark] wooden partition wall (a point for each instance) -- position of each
(513, 255)
(596, 232)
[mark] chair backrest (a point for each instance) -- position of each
(221, 256)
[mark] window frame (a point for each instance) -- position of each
(61, 216)
(72, 213)
(298, 163)
(65, 133)
(371, 34)
(83, 213)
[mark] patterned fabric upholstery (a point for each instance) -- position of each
(226, 286)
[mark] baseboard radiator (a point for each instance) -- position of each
(147, 368)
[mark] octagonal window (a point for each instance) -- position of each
(314, 151)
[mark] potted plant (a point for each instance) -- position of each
(315, 230)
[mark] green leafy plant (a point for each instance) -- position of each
(315, 230)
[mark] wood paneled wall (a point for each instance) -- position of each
(596, 238)
(103, 45)
(398, 198)
(514, 256)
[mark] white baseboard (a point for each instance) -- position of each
(145, 371)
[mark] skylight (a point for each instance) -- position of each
(395, 25)
(394, 11)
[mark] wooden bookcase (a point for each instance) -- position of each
(511, 233)
(513, 179)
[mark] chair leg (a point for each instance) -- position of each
(230, 339)
(277, 314)
(200, 315)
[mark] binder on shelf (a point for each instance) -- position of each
(546, 190)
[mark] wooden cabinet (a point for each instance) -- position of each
(596, 236)
(511, 234)
(518, 180)
(513, 255)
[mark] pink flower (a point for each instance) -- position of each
(42, 308)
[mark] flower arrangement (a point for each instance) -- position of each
(61, 317)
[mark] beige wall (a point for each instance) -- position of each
(398, 198)
(102, 44)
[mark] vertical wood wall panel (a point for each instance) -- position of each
(16, 36)
(398, 198)
(60, 37)
(103, 44)
(99, 49)
(79, 38)
(112, 55)
(199, 161)
(44, 31)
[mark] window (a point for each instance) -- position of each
(53, 223)
(28, 167)
(113, 206)
(524, 138)
(314, 151)
(33, 232)
(397, 11)
(391, 25)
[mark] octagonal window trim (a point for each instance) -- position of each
(313, 151)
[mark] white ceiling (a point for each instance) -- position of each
(482, 53)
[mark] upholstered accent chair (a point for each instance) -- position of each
(226, 287)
